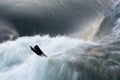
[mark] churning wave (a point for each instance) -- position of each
(68, 58)
(18, 62)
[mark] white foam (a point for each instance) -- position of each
(18, 62)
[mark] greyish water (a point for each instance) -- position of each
(68, 58)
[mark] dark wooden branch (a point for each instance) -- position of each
(37, 50)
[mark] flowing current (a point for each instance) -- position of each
(68, 58)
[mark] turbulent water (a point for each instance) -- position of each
(68, 58)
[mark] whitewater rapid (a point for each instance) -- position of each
(68, 59)
(18, 62)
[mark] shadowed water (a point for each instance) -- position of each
(54, 17)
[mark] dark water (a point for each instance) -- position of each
(49, 17)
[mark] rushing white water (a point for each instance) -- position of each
(68, 59)
(18, 62)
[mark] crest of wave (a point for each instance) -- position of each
(109, 30)
(68, 59)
